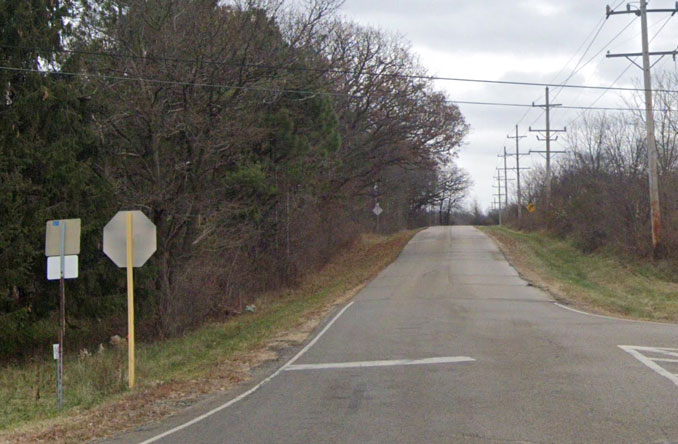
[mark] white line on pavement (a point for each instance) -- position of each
(253, 389)
(612, 318)
(390, 363)
(659, 350)
(634, 351)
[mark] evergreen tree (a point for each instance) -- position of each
(46, 155)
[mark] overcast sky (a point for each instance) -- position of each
(530, 40)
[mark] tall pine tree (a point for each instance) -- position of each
(46, 153)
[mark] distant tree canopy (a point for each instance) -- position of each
(257, 136)
(600, 194)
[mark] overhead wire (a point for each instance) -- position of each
(631, 63)
(523, 105)
(278, 90)
(603, 48)
(341, 71)
(596, 29)
(176, 82)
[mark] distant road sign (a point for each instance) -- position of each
(54, 267)
(531, 207)
(115, 238)
(53, 237)
(377, 209)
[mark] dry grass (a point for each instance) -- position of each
(175, 373)
(600, 282)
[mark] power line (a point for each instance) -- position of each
(599, 26)
(596, 54)
(280, 90)
(577, 69)
(622, 73)
(177, 82)
(340, 71)
(522, 105)
(591, 106)
(596, 28)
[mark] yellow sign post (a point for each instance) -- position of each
(531, 207)
(130, 240)
(130, 298)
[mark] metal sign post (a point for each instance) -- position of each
(62, 311)
(129, 241)
(62, 245)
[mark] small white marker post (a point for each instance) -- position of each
(55, 354)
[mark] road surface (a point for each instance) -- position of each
(449, 345)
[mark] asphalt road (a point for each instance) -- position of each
(450, 345)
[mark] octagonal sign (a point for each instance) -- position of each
(143, 235)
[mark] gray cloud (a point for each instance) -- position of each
(515, 40)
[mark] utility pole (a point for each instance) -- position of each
(499, 193)
(547, 108)
(518, 154)
(655, 209)
(505, 181)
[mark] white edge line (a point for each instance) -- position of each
(253, 389)
(639, 356)
(612, 317)
(389, 363)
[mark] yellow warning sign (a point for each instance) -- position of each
(531, 207)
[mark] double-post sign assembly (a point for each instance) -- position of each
(129, 241)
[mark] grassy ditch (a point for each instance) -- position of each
(175, 372)
(601, 282)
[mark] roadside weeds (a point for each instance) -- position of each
(176, 373)
(600, 283)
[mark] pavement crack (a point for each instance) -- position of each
(357, 397)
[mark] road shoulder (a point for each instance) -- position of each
(599, 284)
(331, 287)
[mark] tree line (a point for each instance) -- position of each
(600, 191)
(256, 135)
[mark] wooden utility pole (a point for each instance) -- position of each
(547, 109)
(506, 179)
(655, 208)
(518, 154)
(498, 195)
